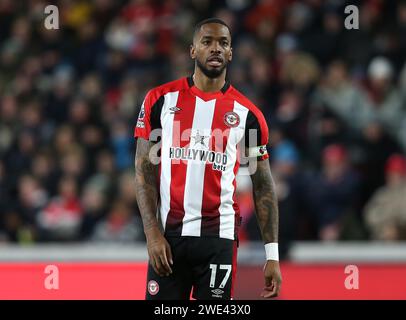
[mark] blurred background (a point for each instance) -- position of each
(334, 100)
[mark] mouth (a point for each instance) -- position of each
(215, 61)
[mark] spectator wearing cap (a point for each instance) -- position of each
(384, 99)
(385, 212)
(332, 192)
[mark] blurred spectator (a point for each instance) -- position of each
(128, 97)
(300, 71)
(385, 102)
(122, 143)
(8, 122)
(341, 97)
(61, 217)
(73, 164)
(285, 169)
(126, 190)
(248, 230)
(94, 203)
(3, 187)
(290, 116)
(330, 34)
(401, 31)
(58, 99)
(105, 176)
(324, 128)
(31, 198)
(20, 155)
(332, 192)
(375, 148)
(43, 168)
(385, 213)
(263, 12)
(119, 226)
(284, 164)
(11, 226)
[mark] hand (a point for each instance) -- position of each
(273, 279)
(159, 251)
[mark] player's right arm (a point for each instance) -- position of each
(159, 250)
(146, 180)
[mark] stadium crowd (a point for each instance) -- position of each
(334, 99)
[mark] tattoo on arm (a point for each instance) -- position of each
(146, 190)
(266, 203)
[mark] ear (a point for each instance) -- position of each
(192, 51)
(231, 55)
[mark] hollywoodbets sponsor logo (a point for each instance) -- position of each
(218, 159)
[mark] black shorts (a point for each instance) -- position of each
(206, 265)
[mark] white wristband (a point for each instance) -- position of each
(271, 251)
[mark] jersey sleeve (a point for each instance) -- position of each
(256, 135)
(149, 117)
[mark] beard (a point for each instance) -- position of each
(211, 73)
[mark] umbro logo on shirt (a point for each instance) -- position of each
(174, 109)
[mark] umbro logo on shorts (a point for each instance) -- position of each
(217, 293)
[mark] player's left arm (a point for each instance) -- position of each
(266, 208)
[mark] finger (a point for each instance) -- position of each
(159, 267)
(278, 285)
(165, 264)
(268, 281)
(169, 254)
(153, 264)
(271, 291)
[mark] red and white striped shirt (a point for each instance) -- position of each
(200, 157)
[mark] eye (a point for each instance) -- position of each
(224, 43)
(205, 42)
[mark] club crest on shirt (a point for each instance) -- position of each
(153, 287)
(231, 119)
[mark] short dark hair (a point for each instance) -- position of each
(209, 20)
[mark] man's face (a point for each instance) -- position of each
(212, 49)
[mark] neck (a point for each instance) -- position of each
(207, 84)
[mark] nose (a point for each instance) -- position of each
(215, 48)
